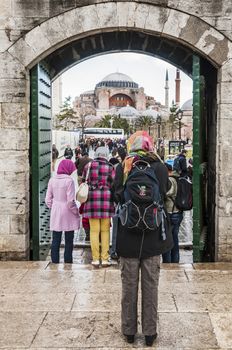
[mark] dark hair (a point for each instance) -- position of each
(168, 166)
(85, 154)
(184, 151)
(122, 153)
(113, 161)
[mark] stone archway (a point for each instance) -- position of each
(115, 16)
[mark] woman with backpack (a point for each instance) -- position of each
(139, 247)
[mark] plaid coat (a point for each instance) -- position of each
(100, 203)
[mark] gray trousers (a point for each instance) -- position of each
(150, 269)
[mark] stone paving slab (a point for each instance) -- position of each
(186, 329)
(18, 329)
(84, 329)
(190, 287)
(37, 302)
(211, 276)
(23, 265)
(203, 302)
(213, 266)
(222, 323)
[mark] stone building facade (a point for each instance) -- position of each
(34, 30)
(113, 92)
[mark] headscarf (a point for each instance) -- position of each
(66, 166)
(140, 141)
(139, 145)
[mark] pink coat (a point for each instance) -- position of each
(60, 197)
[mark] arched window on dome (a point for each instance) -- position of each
(120, 100)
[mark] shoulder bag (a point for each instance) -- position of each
(83, 190)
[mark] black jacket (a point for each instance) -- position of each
(134, 243)
(183, 165)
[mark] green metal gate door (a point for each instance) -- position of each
(40, 159)
(199, 162)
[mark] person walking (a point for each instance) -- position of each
(121, 157)
(99, 207)
(140, 249)
(68, 152)
(180, 164)
(85, 159)
(55, 155)
(161, 150)
(60, 198)
(176, 216)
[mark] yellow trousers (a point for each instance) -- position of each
(100, 227)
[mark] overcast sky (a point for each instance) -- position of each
(147, 71)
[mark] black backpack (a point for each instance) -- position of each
(184, 196)
(143, 206)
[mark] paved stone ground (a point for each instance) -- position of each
(47, 306)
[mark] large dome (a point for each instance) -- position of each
(118, 80)
(117, 77)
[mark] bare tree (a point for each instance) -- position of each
(82, 115)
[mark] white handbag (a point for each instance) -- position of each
(83, 190)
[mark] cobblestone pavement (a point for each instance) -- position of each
(47, 306)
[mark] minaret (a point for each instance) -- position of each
(166, 90)
(177, 87)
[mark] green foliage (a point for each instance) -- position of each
(121, 123)
(117, 123)
(66, 114)
(144, 122)
(104, 122)
(173, 119)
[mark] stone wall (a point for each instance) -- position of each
(17, 17)
(31, 29)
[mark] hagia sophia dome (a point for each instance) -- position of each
(119, 80)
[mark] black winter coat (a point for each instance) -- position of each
(134, 243)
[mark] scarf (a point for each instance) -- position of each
(66, 166)
(140, 145)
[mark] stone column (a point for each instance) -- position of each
(224, 165)
(14, 159)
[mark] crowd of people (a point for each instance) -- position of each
(131, 188)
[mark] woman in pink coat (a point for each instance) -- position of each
(60, 198)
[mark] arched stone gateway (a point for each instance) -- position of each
(160, 28)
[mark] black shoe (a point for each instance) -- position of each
(149, 339)
(87, 238)
(130, 338)
(114, 256)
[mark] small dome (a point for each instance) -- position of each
(188, 105)
(150, 113)
(128, 112)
